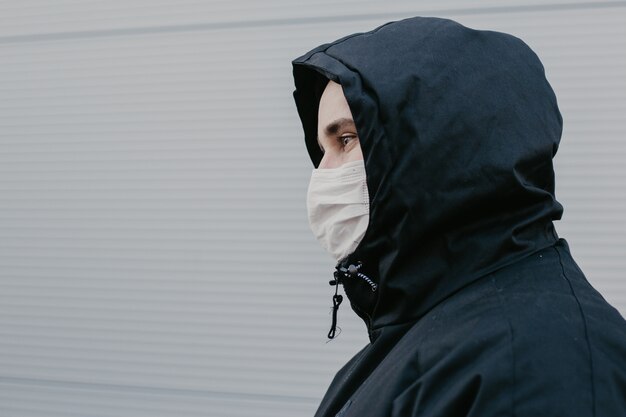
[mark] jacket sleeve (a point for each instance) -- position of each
(461, 387)
(539, 364)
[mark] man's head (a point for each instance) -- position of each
(336, 131)
(458, 128)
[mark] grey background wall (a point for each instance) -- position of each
(155, 258)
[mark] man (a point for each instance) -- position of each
(434, 191)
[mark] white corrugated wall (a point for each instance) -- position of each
(155, 258)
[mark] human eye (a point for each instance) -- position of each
(345, 140)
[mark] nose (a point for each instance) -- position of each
(330, 160)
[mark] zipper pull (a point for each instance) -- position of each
(337, 299)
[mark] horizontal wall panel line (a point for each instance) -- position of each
(247, 24)
(237, 396)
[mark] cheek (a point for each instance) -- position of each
(355, 153)
(334, 158)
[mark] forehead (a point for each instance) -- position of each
(332, 108)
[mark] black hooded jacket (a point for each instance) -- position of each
(480, 309)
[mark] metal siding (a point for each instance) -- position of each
(98, 17)
(154, 253)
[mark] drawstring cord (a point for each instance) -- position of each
(351, 271)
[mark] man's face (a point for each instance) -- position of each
(336, 131)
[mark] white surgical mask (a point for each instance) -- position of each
(338, 207)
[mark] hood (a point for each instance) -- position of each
(458, 128)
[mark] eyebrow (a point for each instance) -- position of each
(334, 126)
